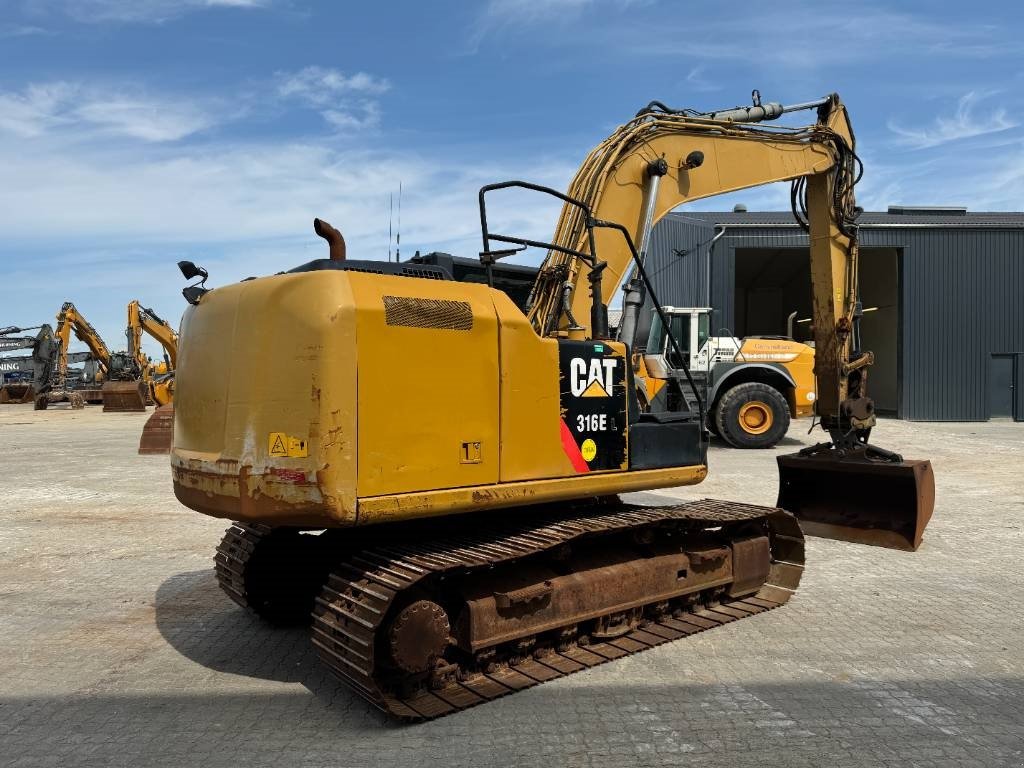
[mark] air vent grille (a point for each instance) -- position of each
(428, 313)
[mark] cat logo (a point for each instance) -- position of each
(592, 378)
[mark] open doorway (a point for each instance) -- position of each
(772, 283)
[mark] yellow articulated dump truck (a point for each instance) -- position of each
(752, 385)
(430, 475)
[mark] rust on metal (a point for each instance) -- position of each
(335, 242)
(16, 394)
(881, 503)
(124, 396)
(158, 432)
(554, 593)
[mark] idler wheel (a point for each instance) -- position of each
(418, 636)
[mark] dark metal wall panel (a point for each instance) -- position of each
(1018, 383)
(962, 304)
(676, 266)
(962, 301)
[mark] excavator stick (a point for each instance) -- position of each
(124, 396)
(15, 394)
(883, 503)
(158, 432)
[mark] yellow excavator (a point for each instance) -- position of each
(121, 389)
(460, 538)
(158, 377)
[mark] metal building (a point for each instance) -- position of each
(943, 289)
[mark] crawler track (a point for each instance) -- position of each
(273, 572)
(368, 585)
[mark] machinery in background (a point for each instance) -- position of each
(752, 386)
(121, 387)
(466, 541)
(23, 376)
(158, 377)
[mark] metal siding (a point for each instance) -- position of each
(678, 281)
(1018, 383)
(962, 294)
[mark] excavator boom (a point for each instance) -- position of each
(157, 432)
(663, 159)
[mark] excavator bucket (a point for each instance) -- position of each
(17, 393)
(124, 396)
(885, 504)
(159, 429)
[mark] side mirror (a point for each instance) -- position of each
(190, 270)
(193, 293)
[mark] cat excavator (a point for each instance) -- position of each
(463, 538)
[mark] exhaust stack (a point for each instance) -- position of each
(333, 237)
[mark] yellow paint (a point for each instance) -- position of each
(531, 444)
(756, 417)
(423, 392)
(588, 450)
(795, 357)
(280, 445)
(384, 509)
(277, 444)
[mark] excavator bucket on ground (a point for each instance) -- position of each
(17, 393)
(159, 429)
(882, 503)
(124, 396)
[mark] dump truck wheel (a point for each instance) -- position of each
(752, 415)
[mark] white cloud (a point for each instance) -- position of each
(320, 86)
(148, 120)
(21, 30)
(135, 11)
(696, 80)
(345, 101)
(807, 39)
(498, 14)
(963, 124)
(42, 108)
(128, 211)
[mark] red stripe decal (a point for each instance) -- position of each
(572, 450)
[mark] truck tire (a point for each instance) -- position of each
(752, 415)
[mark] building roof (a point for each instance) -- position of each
(901, 216)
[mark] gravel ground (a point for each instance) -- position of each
(118, 649)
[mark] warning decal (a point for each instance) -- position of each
(281, 445)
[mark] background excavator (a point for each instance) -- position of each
(470, 541)
(158, 377)
(33, 371)
(23, 367)
(121, 389)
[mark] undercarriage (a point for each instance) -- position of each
(425, 624)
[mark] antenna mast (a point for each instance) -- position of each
(398, 232)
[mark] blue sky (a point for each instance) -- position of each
(135, 133)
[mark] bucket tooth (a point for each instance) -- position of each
(881, 503)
